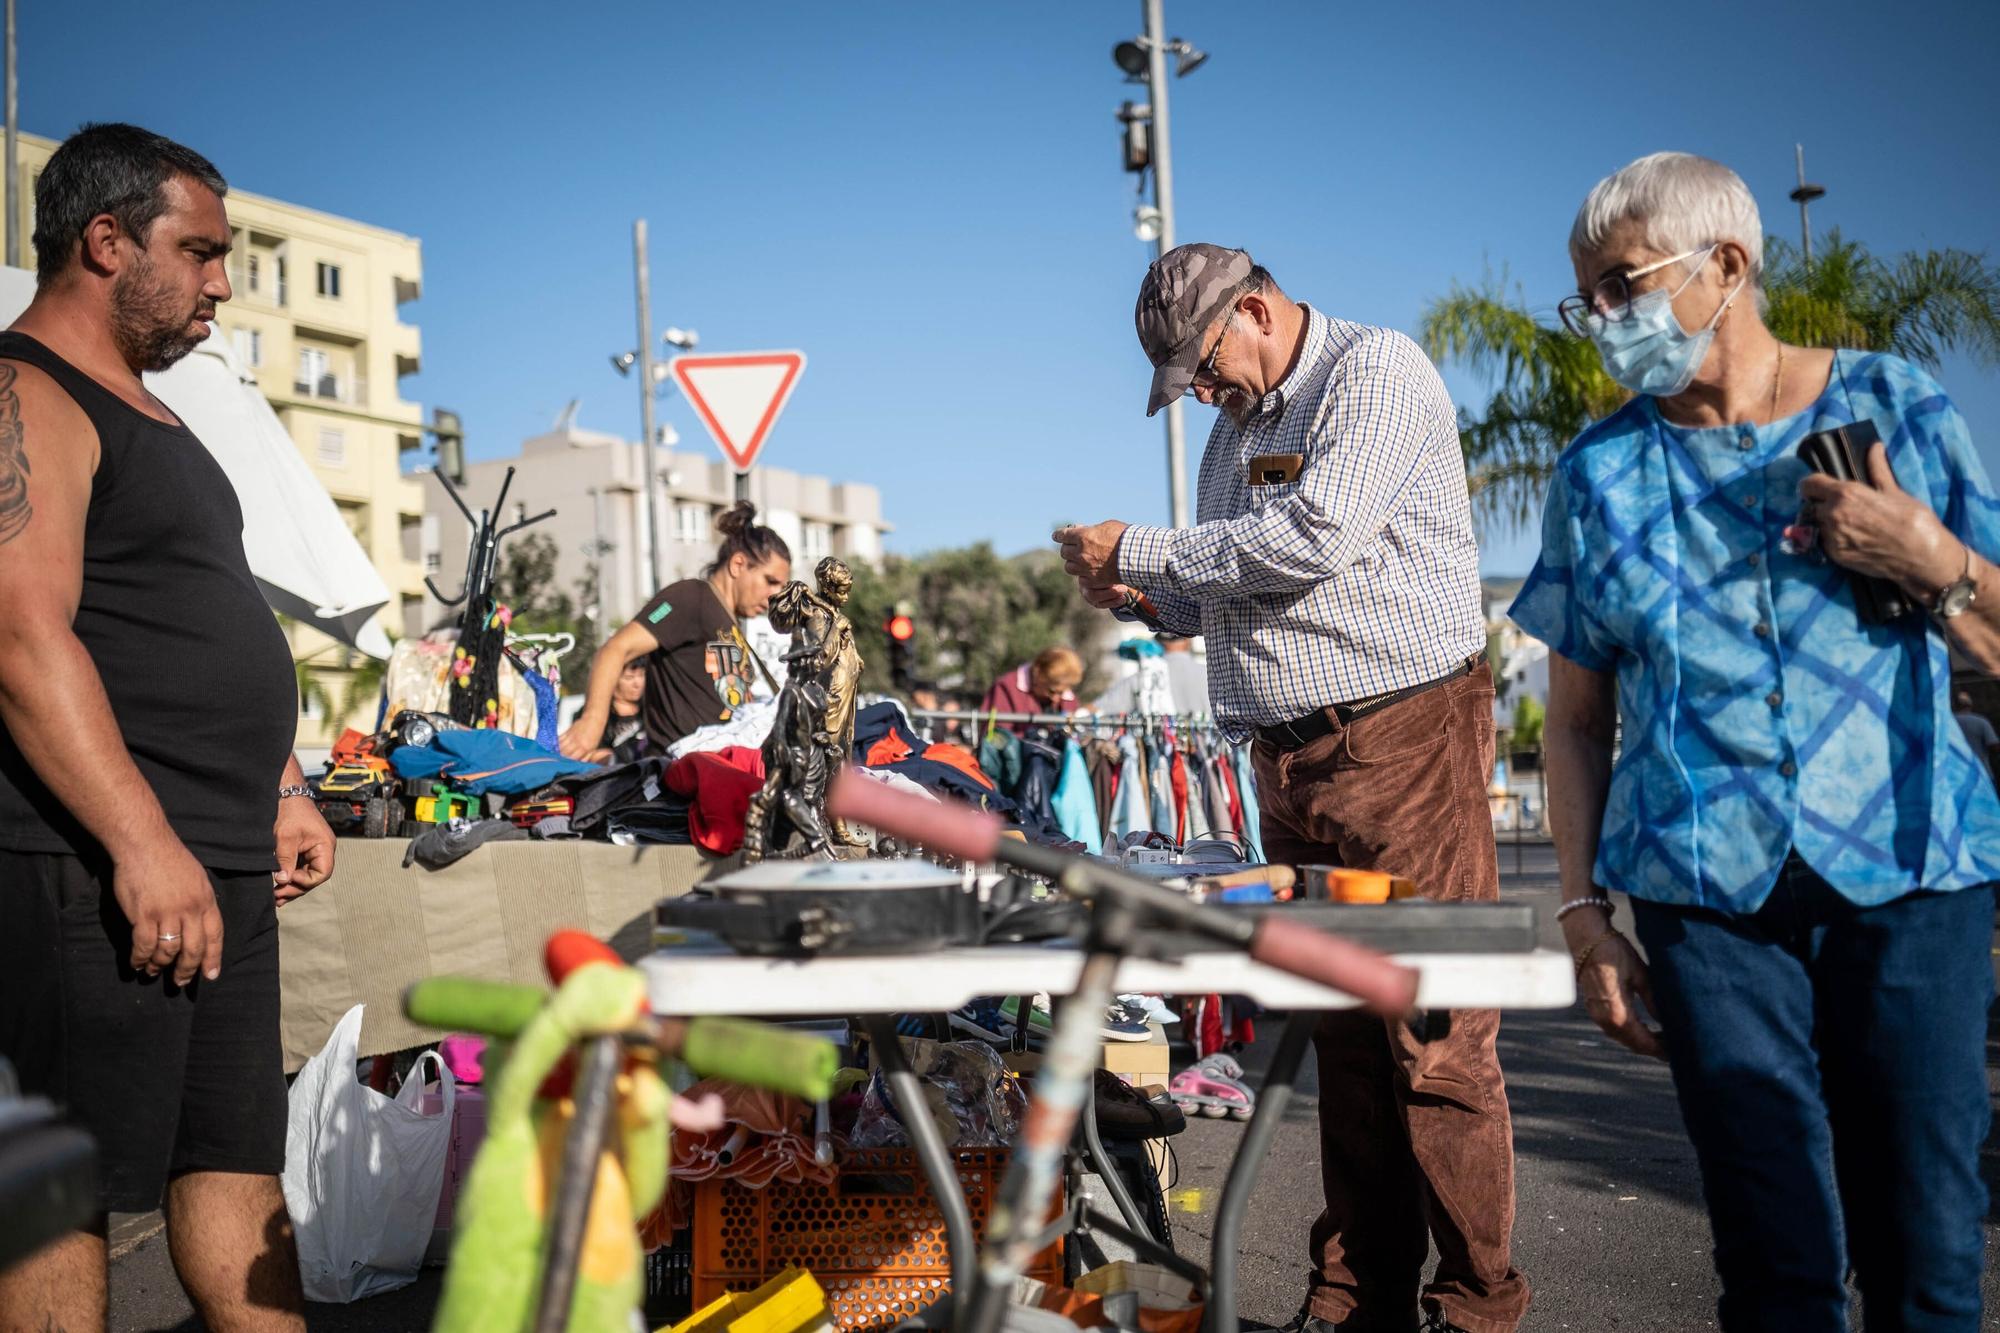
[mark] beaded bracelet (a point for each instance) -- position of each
(1595, 900)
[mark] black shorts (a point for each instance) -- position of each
(167, 1079)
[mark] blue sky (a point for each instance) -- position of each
(927, 199)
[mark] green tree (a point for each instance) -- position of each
(1528, 716)
(525, 581)
(977, 615)
(1550, 384)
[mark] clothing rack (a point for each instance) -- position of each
(1190, 721)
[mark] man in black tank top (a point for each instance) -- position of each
(149, 824)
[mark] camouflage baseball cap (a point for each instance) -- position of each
(1185, 290)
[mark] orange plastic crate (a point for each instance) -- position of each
(874, 1238)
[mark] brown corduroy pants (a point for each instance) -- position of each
(1415, 1141)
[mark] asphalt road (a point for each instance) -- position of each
(1609, 1228)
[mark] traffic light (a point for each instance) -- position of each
(902, 632)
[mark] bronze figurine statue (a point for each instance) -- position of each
(813, 734)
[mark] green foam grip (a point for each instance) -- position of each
(463, 1004)
(761, 1056)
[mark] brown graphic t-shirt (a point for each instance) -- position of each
(703, 669)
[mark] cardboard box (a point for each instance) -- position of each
(1145, 1061)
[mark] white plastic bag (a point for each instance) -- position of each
(362, 1171)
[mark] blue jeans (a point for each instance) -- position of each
(1831, 1066)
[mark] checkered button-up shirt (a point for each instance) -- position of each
(1359, 578)
(1760, 714)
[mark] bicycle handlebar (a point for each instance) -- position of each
(756, 1054)
(972, 835)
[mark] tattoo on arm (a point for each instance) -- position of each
(14, 507)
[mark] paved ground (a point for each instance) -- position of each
(1610, 1228)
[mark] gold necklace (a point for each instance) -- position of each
(1777, 378)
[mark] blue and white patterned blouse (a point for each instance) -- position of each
(1759, 714)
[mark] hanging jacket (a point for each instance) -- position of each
(1178, 785)
(1102, 759)
(1217, 791)
(1132, 808)
(1000, 759)
(1075, 802)
(1198, 825)
(1246, 787)
(1040, 769)
(1163, 818)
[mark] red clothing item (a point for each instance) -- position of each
(1010, 694)
(718, 785)
(891, 749)
(1178, 778)
(960, 758)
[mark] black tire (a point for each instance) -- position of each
(375, 819)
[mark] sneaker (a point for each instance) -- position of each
(1038, 1013)
(1123, 1022)
(1435, 1322)
(1303, 1322)
(1155, 1009)
(1123, 1112)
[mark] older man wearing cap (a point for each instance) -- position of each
(1333, 570)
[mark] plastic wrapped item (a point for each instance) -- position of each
(969, 1094)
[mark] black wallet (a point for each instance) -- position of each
(1842, 453)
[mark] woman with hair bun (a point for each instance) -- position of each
(698, 666)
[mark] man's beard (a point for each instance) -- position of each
(148, 321)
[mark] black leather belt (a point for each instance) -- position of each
(1303, 731)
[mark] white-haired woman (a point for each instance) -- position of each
(1805, 840)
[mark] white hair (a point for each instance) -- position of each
(1681, 201)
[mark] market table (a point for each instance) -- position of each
(375, 927)
(694, 982)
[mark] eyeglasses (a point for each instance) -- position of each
(1204, 374)
(1613, 294)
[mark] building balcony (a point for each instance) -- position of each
(347, 390)
(406, 346)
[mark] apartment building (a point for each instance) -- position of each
(592, 480)
(317, 315)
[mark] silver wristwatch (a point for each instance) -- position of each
(1956, 596)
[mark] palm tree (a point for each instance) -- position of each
(1550, 387)
(1550, 384)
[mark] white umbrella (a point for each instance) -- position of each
(300, 549)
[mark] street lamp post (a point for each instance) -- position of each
(652, 378)
(1803, 196)
(1163, 199)
(651, 503)
(1149, 145)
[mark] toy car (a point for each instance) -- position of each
(441, 805)
(360, 795)
(531, 811)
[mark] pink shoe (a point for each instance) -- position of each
(1197, 1091)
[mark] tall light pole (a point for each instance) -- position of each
(13, 167)
(651, 504)
(1149, 145)
(1802, 196)
(652, 378)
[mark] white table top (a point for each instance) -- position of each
(692, 984)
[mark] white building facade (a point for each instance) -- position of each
(593, 481)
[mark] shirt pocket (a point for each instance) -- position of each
(1266, 497)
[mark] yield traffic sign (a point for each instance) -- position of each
(738, 396)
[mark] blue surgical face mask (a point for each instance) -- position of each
(1645, 349)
